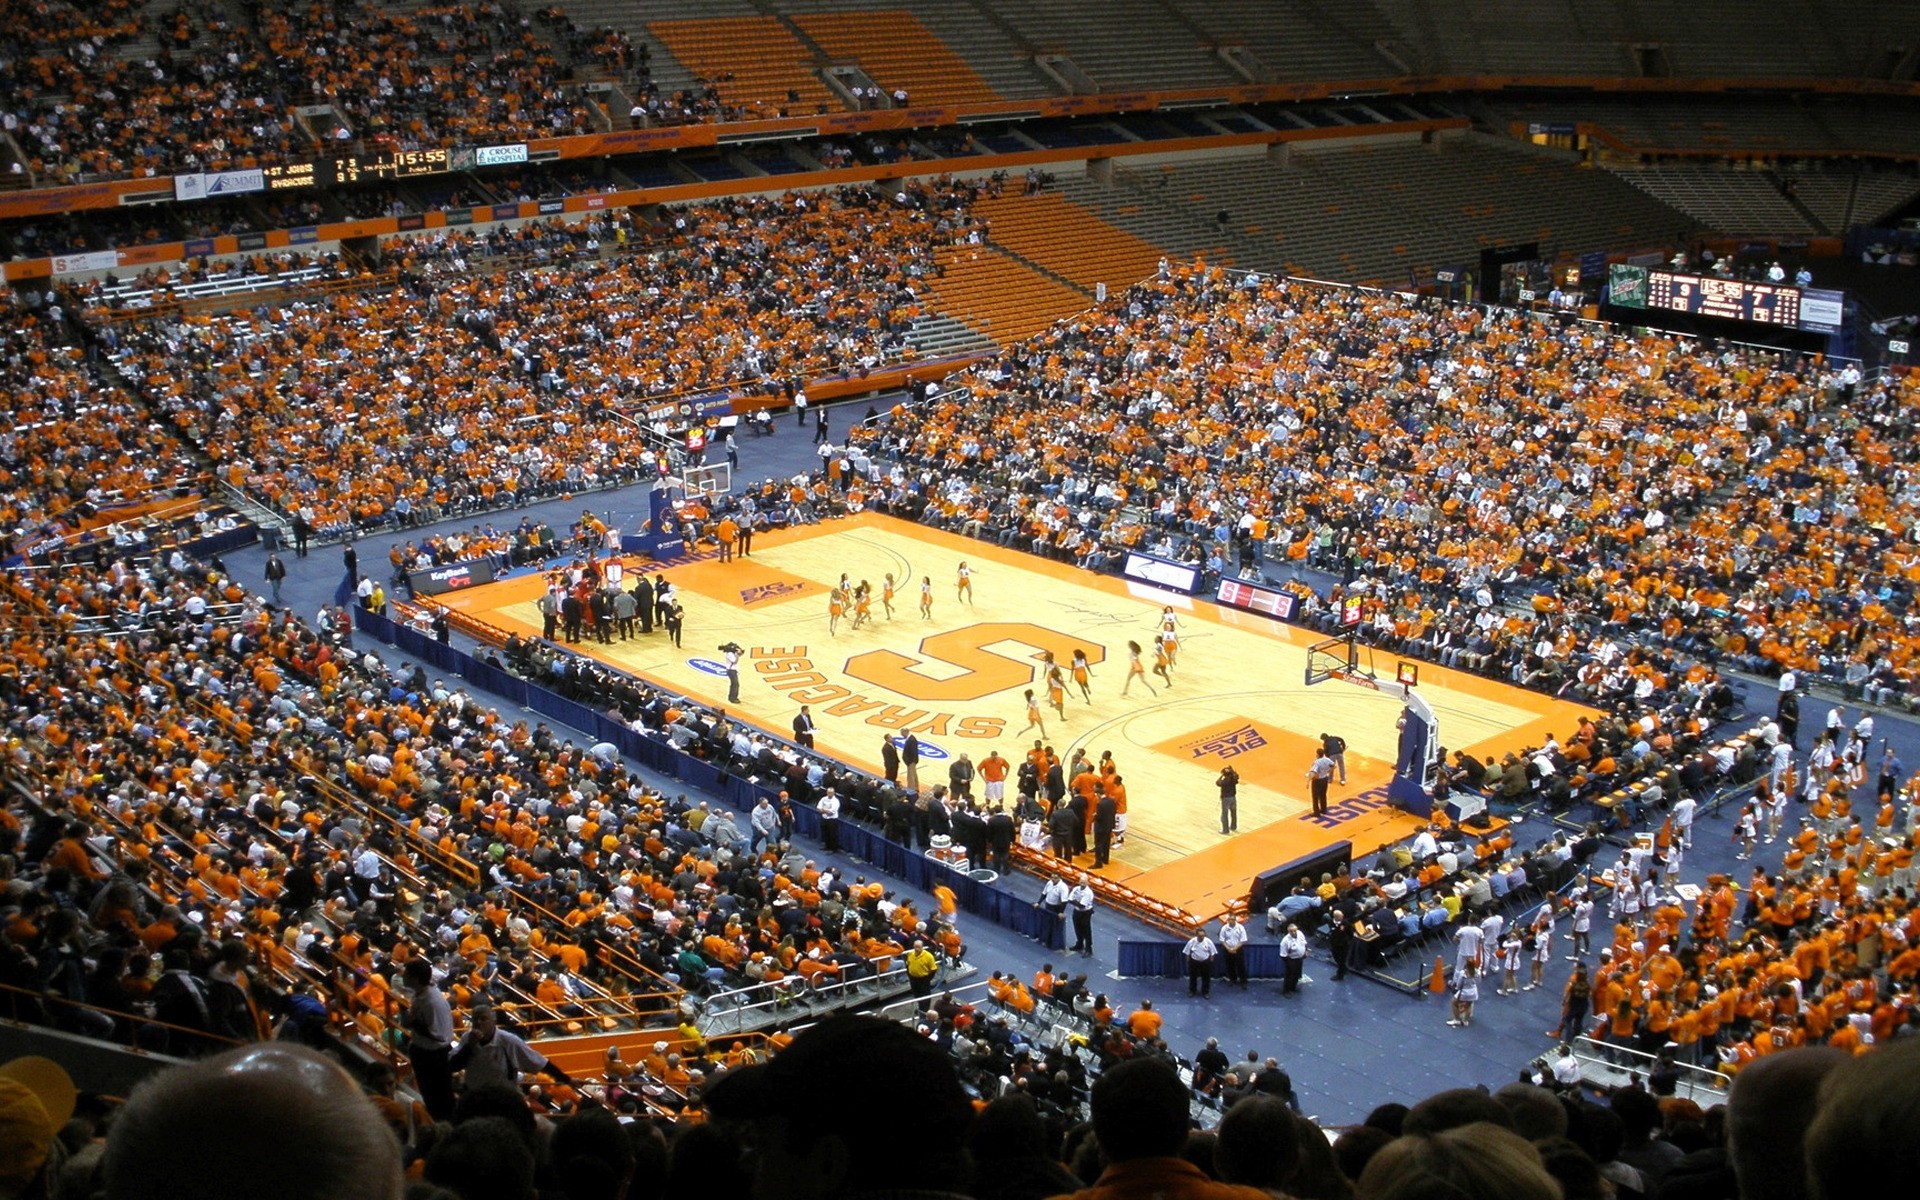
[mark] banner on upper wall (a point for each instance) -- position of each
(206, 184)
(73, 264)
(500, 156)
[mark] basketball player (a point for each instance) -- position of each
(963, 586)
(1033, 715)
(886, 596)
(1135, 671)
(926, 597)
(1082, 675)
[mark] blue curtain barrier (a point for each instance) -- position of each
(986, 900)
(1165, 960)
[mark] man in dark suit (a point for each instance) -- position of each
(1000, 838)
(1061, 827)
(970, 830)
(643, 602)
(1104, 814)
(910, 759)
(890, 759)
(1078, 807)
(803, 727)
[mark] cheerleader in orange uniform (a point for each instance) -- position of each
(963, 585)
(1082, 675)
(1163, 658)
(1135, 670)
(926, 597)
(886, 596)
(1033, 715)
(836, 605)
(862, 604)
(1057, 692)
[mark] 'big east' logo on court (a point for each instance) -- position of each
(1230, 744)
(769, 591)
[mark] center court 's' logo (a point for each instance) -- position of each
(709, 666)
(1231, 744)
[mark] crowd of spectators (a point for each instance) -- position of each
(1812, 1124)
(255, 805)
(500, 387)
(238, 812)
(217, 93)
(74, 446)
(1446, 464)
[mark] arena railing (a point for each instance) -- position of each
(127, 1025)
(730, 1011)
(1592, 1052)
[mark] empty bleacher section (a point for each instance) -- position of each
(668, 74)
(989, 48)
(897, 51)
(1845, 199)
(1743, 127)
(998, 295)
(1495, 192)
(1530, 37)
(756, 61)
(1725, 201)
(1713, 38)
(1172, 226)
(1121, 44)
(1374, 213)
(1068, 240)
(1300, 41)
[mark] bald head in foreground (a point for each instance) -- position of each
(268, 1120)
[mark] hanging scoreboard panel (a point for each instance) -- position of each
(1732, 299)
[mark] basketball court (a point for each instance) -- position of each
(957, 681)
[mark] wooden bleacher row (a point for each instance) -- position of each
(1735, 202)
(1068, 240)
(1004, 299)
(757, 61)
(897, 51)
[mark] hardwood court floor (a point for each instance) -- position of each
(957, 681)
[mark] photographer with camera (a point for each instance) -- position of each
(732, 651)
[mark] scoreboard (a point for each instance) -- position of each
(1733, 299)
(359, 168)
